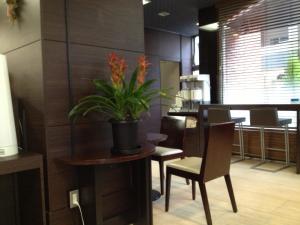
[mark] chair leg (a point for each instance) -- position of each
(262, 144)
(161, 176)
(241, 137)
(230, 191)
(287, 145)
(186, 180)
(194, 189)
(168, 187)
(205, 203)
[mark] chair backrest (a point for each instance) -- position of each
(174, 128)
(264, 117)
(218, 115)
(218, 151)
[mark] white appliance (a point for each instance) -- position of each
(8, 137)
(195, 90)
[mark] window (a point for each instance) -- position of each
(196, 56)
(260, 52)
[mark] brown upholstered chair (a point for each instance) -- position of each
(214, 164)
(222, 115)
(172, 147)
(268, 118)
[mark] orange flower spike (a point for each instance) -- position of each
(117, 67)
(143, 64)
(123, 67)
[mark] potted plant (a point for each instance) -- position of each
(122, 101)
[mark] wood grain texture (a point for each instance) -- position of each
(27, 28)
(56, 83)
(40, 78)
(63, 216)
(114, 24)
(90, 62)
(58, 146)
(117, 201)
(58, 187)
(53, 20)
(103, 156)
(162, 44)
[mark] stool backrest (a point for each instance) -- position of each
(218, 151)
(264, 117)
(218, 115)
(174, 128)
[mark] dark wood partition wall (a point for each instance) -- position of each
(52, 52)
(160, 45)
(77, 37)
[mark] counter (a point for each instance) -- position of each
(201, 117)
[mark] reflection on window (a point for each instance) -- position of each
(196, 56)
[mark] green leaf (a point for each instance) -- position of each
(133, 80)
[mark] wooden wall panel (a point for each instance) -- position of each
(53, 20)
(63, 217)
(91, 39)
(90, 62)
(40, 78)
(58, 187)
(56, 83)
(92, 136)
(26, 30)
(115, 24)
(162, 44)
(152, 122)
(58, 146)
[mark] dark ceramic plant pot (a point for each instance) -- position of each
(125, 137)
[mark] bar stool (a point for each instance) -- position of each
(268, 118)
(222, 115)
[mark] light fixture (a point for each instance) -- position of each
(8, 137)
(146, 2)
(164, 13)
(210, 27)
(197, 24)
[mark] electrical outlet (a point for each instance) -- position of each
(73, 197)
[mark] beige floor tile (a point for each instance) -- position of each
(263, 198)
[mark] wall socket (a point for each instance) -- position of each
(73, 197)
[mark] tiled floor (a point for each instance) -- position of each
(263, 198)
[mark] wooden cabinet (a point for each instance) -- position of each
(22, 190)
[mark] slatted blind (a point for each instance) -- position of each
(259, 52)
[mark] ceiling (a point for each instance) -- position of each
(183, 18)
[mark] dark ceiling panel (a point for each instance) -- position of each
(183, 18)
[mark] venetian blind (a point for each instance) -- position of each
(259, 52)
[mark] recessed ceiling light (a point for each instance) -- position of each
(210, 27)
(146, 2)
(164, 13)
